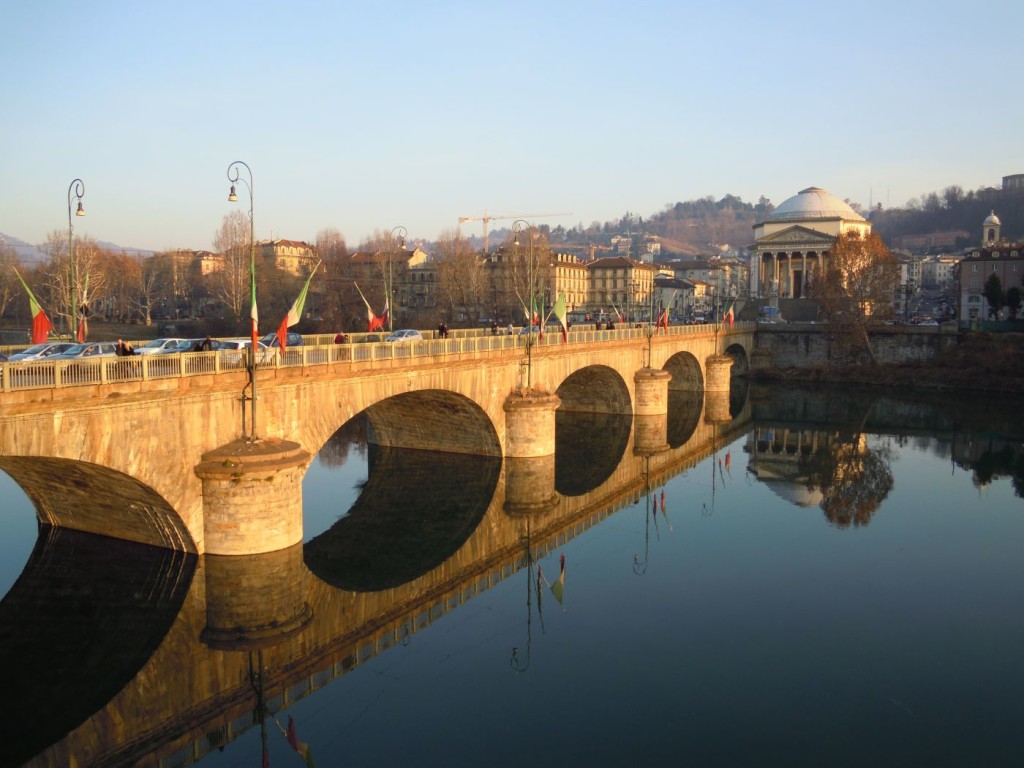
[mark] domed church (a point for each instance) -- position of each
(793, 242)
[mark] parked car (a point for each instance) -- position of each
(41, 351)
(405, 334)
(369, 338)
(271, 340)
(528, 329)
(159, 347)
(90, 349)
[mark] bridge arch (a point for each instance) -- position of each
(433, 420)
(595, 389)
(89, 497)
(687, 372)
(740, 359)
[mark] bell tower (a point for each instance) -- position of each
(990, 229)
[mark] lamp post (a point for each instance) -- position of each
(390, 288)
(75, 190)
(234, 176)
(517, 227)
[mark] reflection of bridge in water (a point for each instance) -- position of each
(145, 656)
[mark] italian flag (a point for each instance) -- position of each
(559, 312)
(41, 325)
(295, 313)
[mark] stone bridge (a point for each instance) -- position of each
(166, 451)
(189, 647)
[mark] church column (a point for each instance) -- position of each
(803, 275)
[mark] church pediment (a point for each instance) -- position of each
(796, 235)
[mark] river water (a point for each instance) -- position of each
(837, 581)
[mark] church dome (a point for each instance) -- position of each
(992, 220)
(813, 203)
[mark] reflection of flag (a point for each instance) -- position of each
(662, 499)
(558, 588)
(41, 325)
(728, 459)
(299, 746)
(295, 313)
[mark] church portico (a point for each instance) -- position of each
(791, 246)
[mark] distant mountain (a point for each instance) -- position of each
(30, 255)
(27, 254)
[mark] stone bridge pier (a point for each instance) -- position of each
(252, 496)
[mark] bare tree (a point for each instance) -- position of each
(856, 289)
(460, 274)
(231, 283)
(90, 276)
(338, 302)
(9, 286)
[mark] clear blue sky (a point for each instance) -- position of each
(362, 116)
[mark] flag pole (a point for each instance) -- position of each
(234, 176)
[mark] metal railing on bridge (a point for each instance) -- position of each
(315, 351)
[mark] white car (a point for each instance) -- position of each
(159, 347)
(405, 334)
(41, 351)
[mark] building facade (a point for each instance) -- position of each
(994, 256)
(793, 242)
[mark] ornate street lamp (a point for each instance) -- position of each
(75, 190)
(390, 288)
(234, 176)
(517, 227)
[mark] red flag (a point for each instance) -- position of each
(730, 317)
(293, 740)
(41, 325)
(80, 334)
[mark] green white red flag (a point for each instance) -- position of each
(41, 325)
(559, 312)
(373, 321)
(295, 313)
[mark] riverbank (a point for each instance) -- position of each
(984, 362)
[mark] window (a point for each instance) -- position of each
(974, 267)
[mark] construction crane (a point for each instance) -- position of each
(485, 219)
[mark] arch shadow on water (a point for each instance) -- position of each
(415, 511)
(83, 618)
(684, 409)
(588, 448)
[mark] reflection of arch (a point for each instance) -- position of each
(595, 389)
(433, 420)
(686, 372)
(83, 618)
(95, 499)
(588, 448)
(740, 362)
(738, 391)
(416, 509)
(684, 410)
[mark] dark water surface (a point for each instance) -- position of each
(839, 581)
